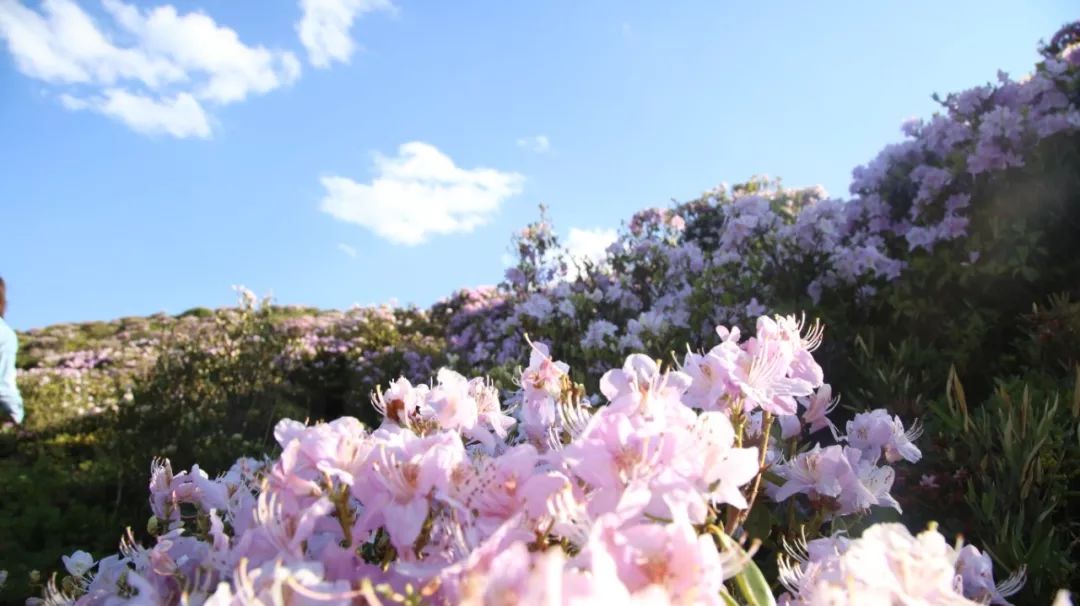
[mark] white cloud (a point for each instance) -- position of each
(348, 250)
(418, 193)
(325, 24)
(181, 116)
(539, 144)
(158, 79)
(73, 103)
(589, 243)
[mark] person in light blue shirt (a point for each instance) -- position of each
(11, 404)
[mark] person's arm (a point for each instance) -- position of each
(11, 404)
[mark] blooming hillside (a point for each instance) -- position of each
(755, 396)
(83, 364)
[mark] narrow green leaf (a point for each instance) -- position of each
(751, 583)
(754, 587)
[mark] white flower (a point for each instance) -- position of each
(79, 563)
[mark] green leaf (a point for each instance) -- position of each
(751, 583)
(728, 600)
(754, 587)
(759, 523)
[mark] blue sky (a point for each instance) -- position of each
(151, 159)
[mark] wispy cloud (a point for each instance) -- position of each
(324, 28)
(159, 80)
(348, 250)
(589, 243)
(539, 143)
(418, 193)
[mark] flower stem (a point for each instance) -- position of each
(766, 428)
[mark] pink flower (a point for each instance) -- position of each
(710, 385)
(490, 417)
(282, 582)
(494, 489)
(870, 487)
(311, 455)
(544, 376)
(672, 560)
(168, 491)
(818, 406)
(402, 403)
(877, 431)
(885, 566)
(976, 571)
(463, 581)
(541, 383)
(821, 471)
(800, 340)
(640, 386)
(723, 468)
(518, 577)
(452, 402)
(838, 479)
(616, 451)
(790, 426)
(407, 471)
(767, 371)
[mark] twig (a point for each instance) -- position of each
(766, 428)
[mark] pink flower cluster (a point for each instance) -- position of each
(887, 565)
(840, 480)
(550, 500)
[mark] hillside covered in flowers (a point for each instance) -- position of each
(763, 395)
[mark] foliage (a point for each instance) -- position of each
(197, 387)
(605, 496)
(949, 284)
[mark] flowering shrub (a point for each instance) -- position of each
(83, 370)
(334, 359)
(944, 198)
(949, 282)
(453, 500)
(210, 395)
(931, 268)
(204, 386)
(70, 370)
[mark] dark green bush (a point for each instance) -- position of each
(59, 494)
(71, 483)
(210, 397)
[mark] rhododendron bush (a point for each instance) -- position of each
(458, 497)
(943, 198)
(659, 425)
(949, 281)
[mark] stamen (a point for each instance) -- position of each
(1014, 583)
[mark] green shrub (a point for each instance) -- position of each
(60, 494)
(210, 397)
(196, 312)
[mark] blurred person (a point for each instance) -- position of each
(11, 404)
